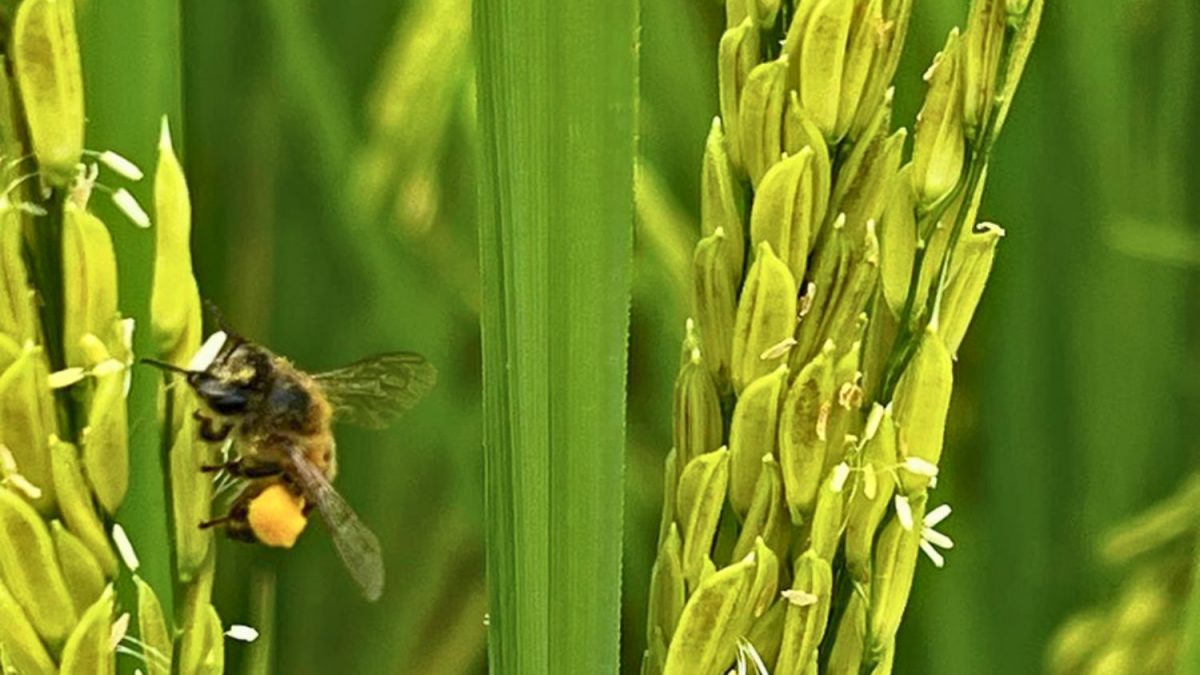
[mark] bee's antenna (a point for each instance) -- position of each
(214, 312)
(163, 365)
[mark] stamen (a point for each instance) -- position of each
(937, 515)
(873, 421)
(935, 557)
(754, 656)
(921, 467)
(31, 209)
(840, 473)
(125, 547)
(10, 475)
(17, 161)
(22, 484)
(149, 652)
(870, 483)
(107, 367)
(936, 538)
(778, 349)
(131, 208)
(904, 512)
(208, 352)
(242, 633)
(61, 379)
(20, 180)
(800, 598)
(119, 165)
(119, 628)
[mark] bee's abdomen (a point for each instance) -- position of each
(321, 453)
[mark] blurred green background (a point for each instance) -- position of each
(330, 147)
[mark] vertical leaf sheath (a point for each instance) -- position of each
(557, 87)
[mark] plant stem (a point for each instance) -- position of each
(557, 87)
(912, 322)
(262, 613)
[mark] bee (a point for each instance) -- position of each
(281, 421)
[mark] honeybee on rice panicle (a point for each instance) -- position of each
(281, 420)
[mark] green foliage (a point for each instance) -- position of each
(332, 161)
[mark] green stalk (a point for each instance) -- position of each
(260, 659)
(914, 322)
(131, 70)
(556, 108)
(1189, 651)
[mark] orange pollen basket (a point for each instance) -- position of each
(277, 516)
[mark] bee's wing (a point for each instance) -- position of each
(357, 545)
(373, 391)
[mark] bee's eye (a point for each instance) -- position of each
(222, 397)
(229, 403)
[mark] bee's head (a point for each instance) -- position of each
(235, 379)
(229, 374)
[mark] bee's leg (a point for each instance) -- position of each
(204, 525)
(232, 466)
(209, 431)
(260, 469)
(234, 525)
(244, 467)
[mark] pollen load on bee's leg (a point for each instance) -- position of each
(277, 516)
